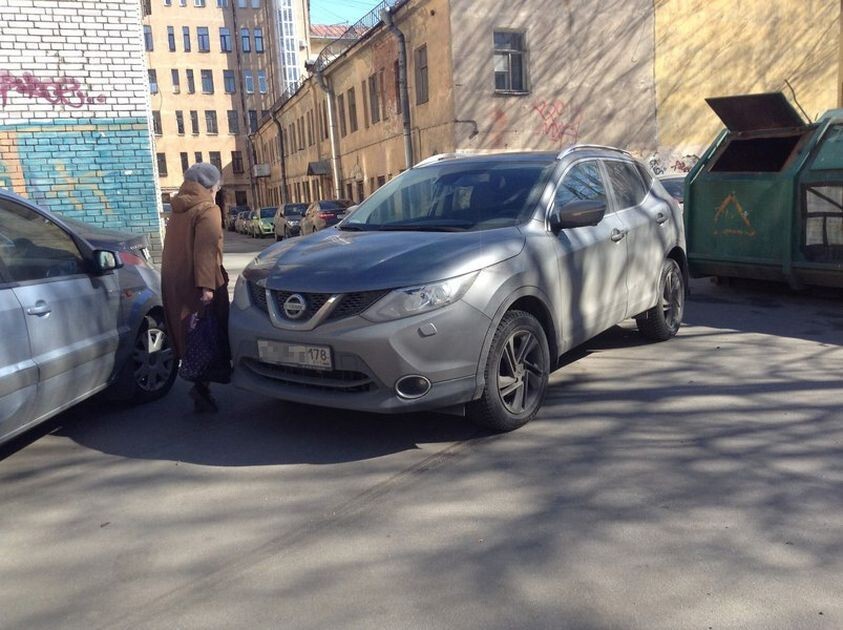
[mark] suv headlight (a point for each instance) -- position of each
(420, 299)
(241, 293)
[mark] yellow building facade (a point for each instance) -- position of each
(486, 75)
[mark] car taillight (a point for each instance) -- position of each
(327, 215)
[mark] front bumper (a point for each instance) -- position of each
(368, 359)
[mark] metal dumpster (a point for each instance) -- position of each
(765, 200)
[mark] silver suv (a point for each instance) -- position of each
(457, 285)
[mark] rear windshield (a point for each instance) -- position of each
(268, 213)
(334, 204)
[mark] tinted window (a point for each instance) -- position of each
(582, 183)
(294, 210)
(34, 248)
(268, 213)
(334, 204)
(626, 183)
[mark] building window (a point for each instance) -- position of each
(245, 40)
(203, 39)
(310, 128)
(153, 81)
(156, 123)
(241, 4)
(168, 3)
(207, 82)
(182, 3)
(180, 122)
(197, 157)
(162, 164)
(146, 6)
(171, 38)
(510, 66)
(374, 101)
(191, 84)
(382, 93)
(233, 122)
(397, 70)
(301, 133)
(421, 75)
(364, 91)
(215, 157)
(256, 4)
(198, 3)
(241, 198)
(262, 87)
(194, 122)
(229, 82)
(253, 120)
(174, 75)
(185, 35)
(341, 115)
(325, 130)
(237, 162)
(211, 122)
(225, 40)
(222, 4)
(259, 40)
(352, 110)
(147, 36)
(185, 162)
(248, 82)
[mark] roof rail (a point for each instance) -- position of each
(581, 147)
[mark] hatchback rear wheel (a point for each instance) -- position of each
(150, 371)
(516, 372)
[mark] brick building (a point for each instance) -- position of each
(74, 112)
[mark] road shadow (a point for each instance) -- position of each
(251, 430)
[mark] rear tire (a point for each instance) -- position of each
(662, 322)
(516, 374)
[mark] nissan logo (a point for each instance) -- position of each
(294, 306)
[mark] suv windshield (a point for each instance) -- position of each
(454, 196)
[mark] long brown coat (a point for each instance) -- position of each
(192, 260)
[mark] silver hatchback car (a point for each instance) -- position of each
(80, 310)
(458, 285)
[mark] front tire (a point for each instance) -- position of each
(662, 322)
(151, 369)
(516, 374)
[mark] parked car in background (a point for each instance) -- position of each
(241, 221)
(287, 221)
(675, 185)
(237, 211)
(458, 285)
(260, 222)
(323, 213)
(231, 218)
(80, 311)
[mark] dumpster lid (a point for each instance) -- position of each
(756, 112)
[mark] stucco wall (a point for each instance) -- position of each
(74, 111)
(724, 47)
(590, 77)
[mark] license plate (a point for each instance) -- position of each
(316, 357)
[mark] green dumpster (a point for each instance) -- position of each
(765, 201)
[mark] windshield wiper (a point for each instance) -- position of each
(423, 227)
(351, 228)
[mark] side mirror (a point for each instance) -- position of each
(106, 261)
(580, 213)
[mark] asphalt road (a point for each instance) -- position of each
(696, 483)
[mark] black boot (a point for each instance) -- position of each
(203, 402)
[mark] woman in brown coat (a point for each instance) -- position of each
(192, 276)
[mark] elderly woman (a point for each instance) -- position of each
(193, 279)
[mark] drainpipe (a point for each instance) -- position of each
(387, 17)
(282, 156)
(332, 130)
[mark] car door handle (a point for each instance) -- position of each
(618, 235)
(39, 309)
(661, 218)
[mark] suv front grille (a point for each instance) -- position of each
(348, 304)
(355, 303)
(313, 302)
(257, 295)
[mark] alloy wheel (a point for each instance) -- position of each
(673, 297)
(153, 358)
(519, 372)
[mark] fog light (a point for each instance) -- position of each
(410, 387)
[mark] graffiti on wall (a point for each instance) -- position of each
(558, 122)
(62, 91)
(672, 163)
(109, 182)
